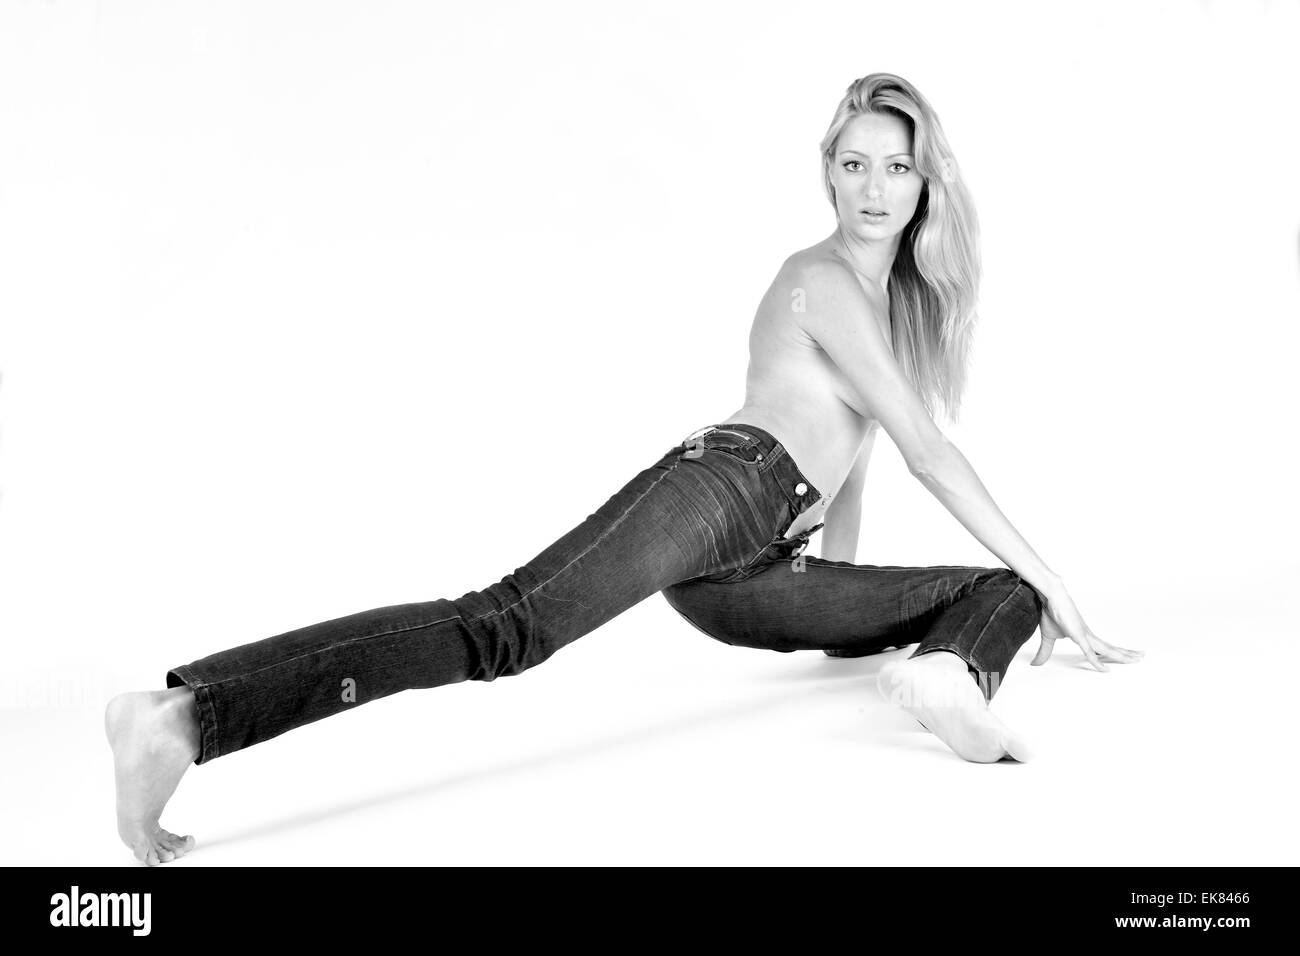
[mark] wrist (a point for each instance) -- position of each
(1053, 589)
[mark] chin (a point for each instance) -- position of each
(866, 231)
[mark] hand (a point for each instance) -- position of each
(1062, 619)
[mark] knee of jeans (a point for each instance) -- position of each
(1013, 584)
(1027, 594)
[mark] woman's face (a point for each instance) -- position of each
(873, 170)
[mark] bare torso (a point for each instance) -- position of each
(795, 391)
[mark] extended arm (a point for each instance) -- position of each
(842, 320)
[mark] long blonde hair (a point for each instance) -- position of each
(934, 280)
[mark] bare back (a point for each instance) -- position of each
(795, 391)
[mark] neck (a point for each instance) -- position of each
(872, 259)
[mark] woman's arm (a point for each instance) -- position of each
(951, 479)
(843, 523)
(844, 513)
(843, 322)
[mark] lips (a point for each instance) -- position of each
(874, 212)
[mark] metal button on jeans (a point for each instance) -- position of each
(800, 489)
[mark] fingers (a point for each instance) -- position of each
(1095, 650)
(1044, 651)
(1050, 632)
(1111, 652)
(1090, 653)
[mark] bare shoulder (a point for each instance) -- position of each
(818, 258)
(827, 280)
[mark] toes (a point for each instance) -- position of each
(169, 846)
(163, 847)
(178, 845)
(1017, 749)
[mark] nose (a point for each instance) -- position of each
(875, 187)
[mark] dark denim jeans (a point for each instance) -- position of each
(706, 524)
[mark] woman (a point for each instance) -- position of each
(868, 328)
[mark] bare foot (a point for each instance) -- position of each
(155, 738)
(937, 690)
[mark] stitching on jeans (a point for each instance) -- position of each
(847, 566)
(735, 578)
(330, 647)
(769, 460)
(186, 674)
(486, 614)
(737, 575)
(967, 657)
(737, 458)
(216, 721)
(979, 637)
(945, 646)
(608, 531)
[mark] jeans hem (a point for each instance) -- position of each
(961, 652)
(207, 709)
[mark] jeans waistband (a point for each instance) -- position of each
(777, 463)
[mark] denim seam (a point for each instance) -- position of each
(330, 647)
(203, 690)
(779, 536)
(835, 565)
(621, 518)
(209, 736)
(957, 649)
(737, 458)
(486, 614)
(768, 461)
(735, 576)
(980, 636)
(760, 467)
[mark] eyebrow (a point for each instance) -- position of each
(856, 153)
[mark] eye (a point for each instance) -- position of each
(851, 162)
(906, 168)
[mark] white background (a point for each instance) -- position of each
(308, 307)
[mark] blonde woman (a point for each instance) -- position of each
(868, 329)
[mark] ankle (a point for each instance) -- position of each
(181, 715)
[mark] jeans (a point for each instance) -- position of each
(706, 525)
